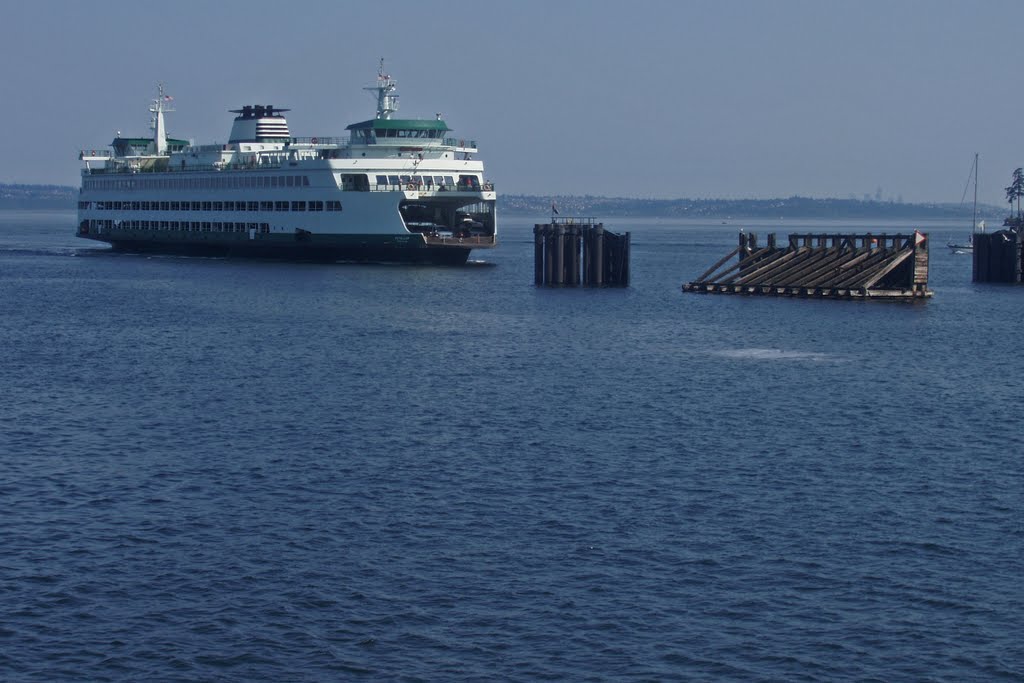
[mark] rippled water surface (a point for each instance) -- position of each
(244, 471)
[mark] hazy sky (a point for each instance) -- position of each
(639, 99)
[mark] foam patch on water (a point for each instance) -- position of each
(776, 354)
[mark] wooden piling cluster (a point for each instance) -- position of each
(569, 251)
(864, 266)
(998, 256)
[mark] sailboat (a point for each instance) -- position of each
(968, 246)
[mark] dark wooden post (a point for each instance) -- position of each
(559, 255)
(625, 279)
(598, 255)
(549, 256)
(573, 278)
(538, 254)
(588, 257)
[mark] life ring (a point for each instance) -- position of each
(411, 186)
(314, 141)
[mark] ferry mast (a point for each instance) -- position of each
(387, 102)
(159, 106)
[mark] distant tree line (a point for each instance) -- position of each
(790, 207)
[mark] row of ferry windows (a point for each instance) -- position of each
(218, 182)
(426, 180)
(330, 205)
(186, 226)
(366, 135)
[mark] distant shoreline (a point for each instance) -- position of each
(724, 209)
(17, 196)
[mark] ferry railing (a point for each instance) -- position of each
(191, 168)
(319, 140)
(413, 187)
(461, 142)
(478, 240)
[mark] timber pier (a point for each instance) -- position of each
(826, 266)
(568, 251)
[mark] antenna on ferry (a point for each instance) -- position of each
(387, 103)
(159, 106)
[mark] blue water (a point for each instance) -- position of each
(245, 471)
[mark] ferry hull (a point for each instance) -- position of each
(317, 248)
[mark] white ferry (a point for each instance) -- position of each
(394, 190)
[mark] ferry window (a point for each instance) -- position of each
(239, 227)
(290, 181)
(252, 226)
(264, 227)
(145, 206)
(334, 206)
(439, 180)
(229, 206)
(266, 206)
(206, 226)
(207, 206)
(195, 206)
(382, 180)
(298, 206)
(448, 180)
(406, 179)
(174, 206)
(117, 206)
(135, 206)
(428, 181)
(218, 227)
(174, 225)
(239, 206)
(273, 181)
(165, 206)
(253, 206)
(281, 206)
(316, 206)
(195, 226)
(305, 181)
(218, 206)
(393, 180)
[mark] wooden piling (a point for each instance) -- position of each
(538, 254)
(998, 257)
(567, 251)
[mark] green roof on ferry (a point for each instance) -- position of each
(400, 124)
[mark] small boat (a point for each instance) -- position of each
(964, 247)
(967, 247)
